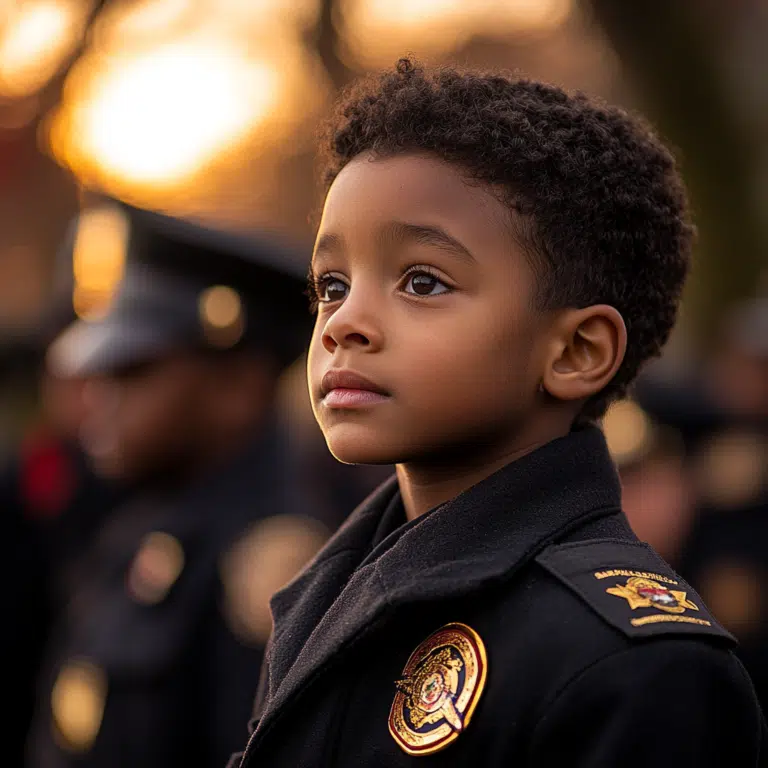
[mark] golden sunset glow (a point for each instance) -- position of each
(376, 31)
(35, 40)
(159, 116)
(98, 258)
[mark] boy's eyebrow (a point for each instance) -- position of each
(400, 231)
(428, 234)
(326, 242)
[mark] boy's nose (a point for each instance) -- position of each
(351, 326)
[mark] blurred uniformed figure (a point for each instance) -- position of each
(656, 493)
(738, 378)
(722, 417)
(51, 501)
(724, 557)
(157, 659)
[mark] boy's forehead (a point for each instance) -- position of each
(373, 189)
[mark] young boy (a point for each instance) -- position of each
(495, 261)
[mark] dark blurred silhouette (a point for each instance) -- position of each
(725, 555)
(156, 659)
(722, 416)
(656, 492)
(52, 504)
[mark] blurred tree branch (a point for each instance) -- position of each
(325, 39)
(672, 60)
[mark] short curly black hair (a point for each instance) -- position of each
(602, 212)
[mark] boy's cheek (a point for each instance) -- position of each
(317, 364)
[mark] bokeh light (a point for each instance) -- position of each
(35, 40)
(131, 20)
(628, 431)
(269, 12)
(159, 116)
(77, 704)
(98, 259)
(376, 31)
(155, 568)
(262, 561)
(221, 315)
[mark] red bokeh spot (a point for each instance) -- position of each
(47, 480)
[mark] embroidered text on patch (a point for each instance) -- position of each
(641, 574)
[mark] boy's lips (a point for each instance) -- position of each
(341, 388)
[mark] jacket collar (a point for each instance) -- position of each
(479, 538)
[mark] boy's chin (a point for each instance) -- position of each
(351, 446)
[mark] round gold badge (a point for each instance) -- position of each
(441, 686)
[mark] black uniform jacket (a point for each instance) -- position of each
(50, 504)
(158, 678)
(595, 652)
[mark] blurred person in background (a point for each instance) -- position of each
(51, 501)
(722, 418)
(655, 484)
(57, 485)
(157, 659)
(738, 375)
(724, 557)
(53, 504)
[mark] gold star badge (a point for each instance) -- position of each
(646, 593)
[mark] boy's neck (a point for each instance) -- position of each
(426, 486)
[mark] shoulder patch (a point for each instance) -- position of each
(631, 587)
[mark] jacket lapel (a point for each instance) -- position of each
(298, 608)
(483, 536)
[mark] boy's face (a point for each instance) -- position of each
(425, 294)
(145, 420)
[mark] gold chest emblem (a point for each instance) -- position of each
(441, 685)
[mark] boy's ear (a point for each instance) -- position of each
(587, 348)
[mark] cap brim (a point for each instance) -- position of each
(90, 348)
(160, 238)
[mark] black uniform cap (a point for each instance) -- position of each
(188, 286)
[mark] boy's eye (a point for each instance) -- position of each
(331, 289)
(424, 284)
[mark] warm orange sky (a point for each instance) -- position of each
(168, 86)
